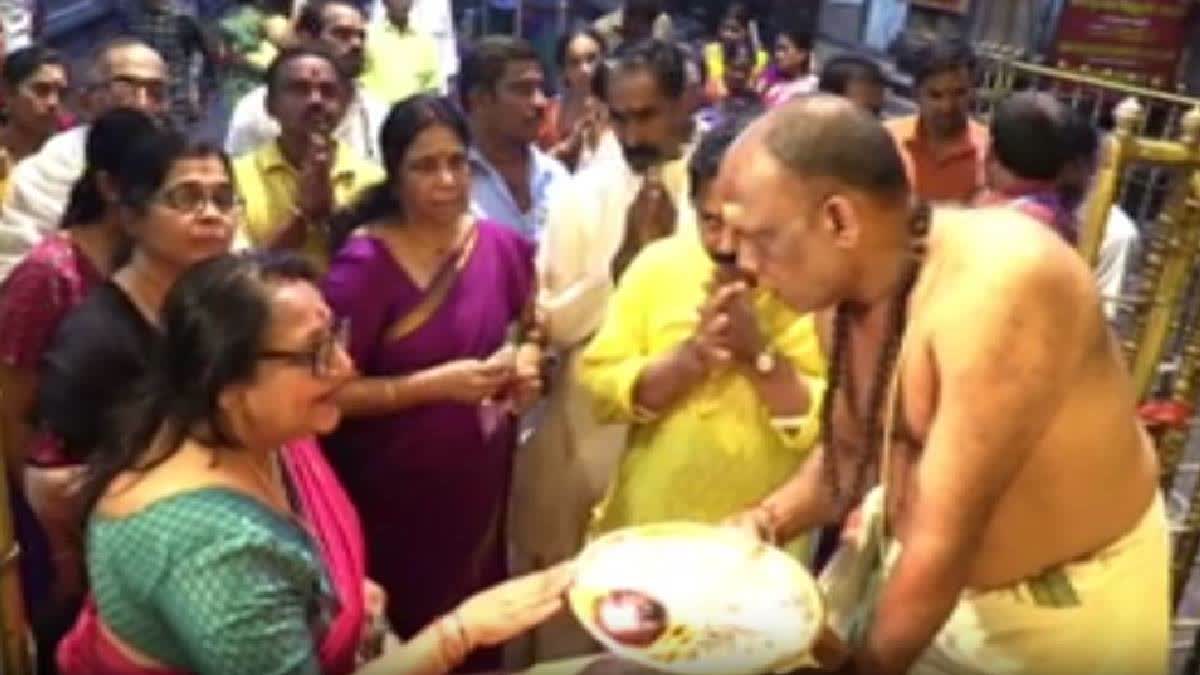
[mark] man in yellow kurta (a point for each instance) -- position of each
(721, 382)
(290, 186)
(400, 61)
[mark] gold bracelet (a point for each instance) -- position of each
(790, 427)
(770, 528)
(389, 392)
(467, 643)
(452, 654)
(643, 415)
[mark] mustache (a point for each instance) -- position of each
(724, 259)
(640, 154)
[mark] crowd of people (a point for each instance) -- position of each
(348, 392)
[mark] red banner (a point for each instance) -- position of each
(1139, 38)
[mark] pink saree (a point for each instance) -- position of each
(88, 649)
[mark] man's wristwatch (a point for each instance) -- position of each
(765, 362)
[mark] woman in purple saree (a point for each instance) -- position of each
(438, 306)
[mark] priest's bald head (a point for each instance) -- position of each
(819, 202)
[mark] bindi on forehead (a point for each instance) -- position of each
(732, 211)
(313, 70)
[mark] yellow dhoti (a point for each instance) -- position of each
(1120, 625)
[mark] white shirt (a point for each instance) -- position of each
(608, 149)
(38, 191)
(1120, 243)
(250, 125)
(585, 226)
(571, 457)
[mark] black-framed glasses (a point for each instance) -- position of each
(190, 198)
(322, 359)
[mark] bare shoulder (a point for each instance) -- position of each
(1009, 283)
(998, 259)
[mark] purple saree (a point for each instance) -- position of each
(430, 482)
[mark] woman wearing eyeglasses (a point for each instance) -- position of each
(175, 204)
(219, 540)
(45, 286)
(434, 296)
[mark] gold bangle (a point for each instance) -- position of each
(768, 525)
(790, 425)
(452, 654)
(467, 644)
(643, 415)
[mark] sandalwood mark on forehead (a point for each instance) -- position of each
(731, 211)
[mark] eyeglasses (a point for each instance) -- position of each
(321, 360)
(127, 85)
(190, 198)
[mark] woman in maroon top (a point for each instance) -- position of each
(52, 279)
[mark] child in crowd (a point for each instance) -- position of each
(741, 98)
(790, 73)
(734, 32)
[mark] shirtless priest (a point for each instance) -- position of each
(1023, 530)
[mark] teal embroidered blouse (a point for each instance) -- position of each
(211, 581)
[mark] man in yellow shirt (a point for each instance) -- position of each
(721, 382)
(291, 186)
(400, 61)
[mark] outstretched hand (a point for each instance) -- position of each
(503, 612)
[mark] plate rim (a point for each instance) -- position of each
(677, 527)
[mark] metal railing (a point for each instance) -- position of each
(1150, 165)
(16, 647)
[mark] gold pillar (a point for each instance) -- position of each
(14, 637)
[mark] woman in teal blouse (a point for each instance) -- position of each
(219, 541)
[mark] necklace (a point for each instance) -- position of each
(269, 478)
(840, 373)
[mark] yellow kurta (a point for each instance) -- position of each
(715, 452)
(269, 188)
(399, 63)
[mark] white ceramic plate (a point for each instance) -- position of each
(734, 607)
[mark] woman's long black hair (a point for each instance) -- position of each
(214, 320)
(108, 140)
(406, 120)
(563, 44)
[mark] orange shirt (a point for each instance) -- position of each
(949, 174)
